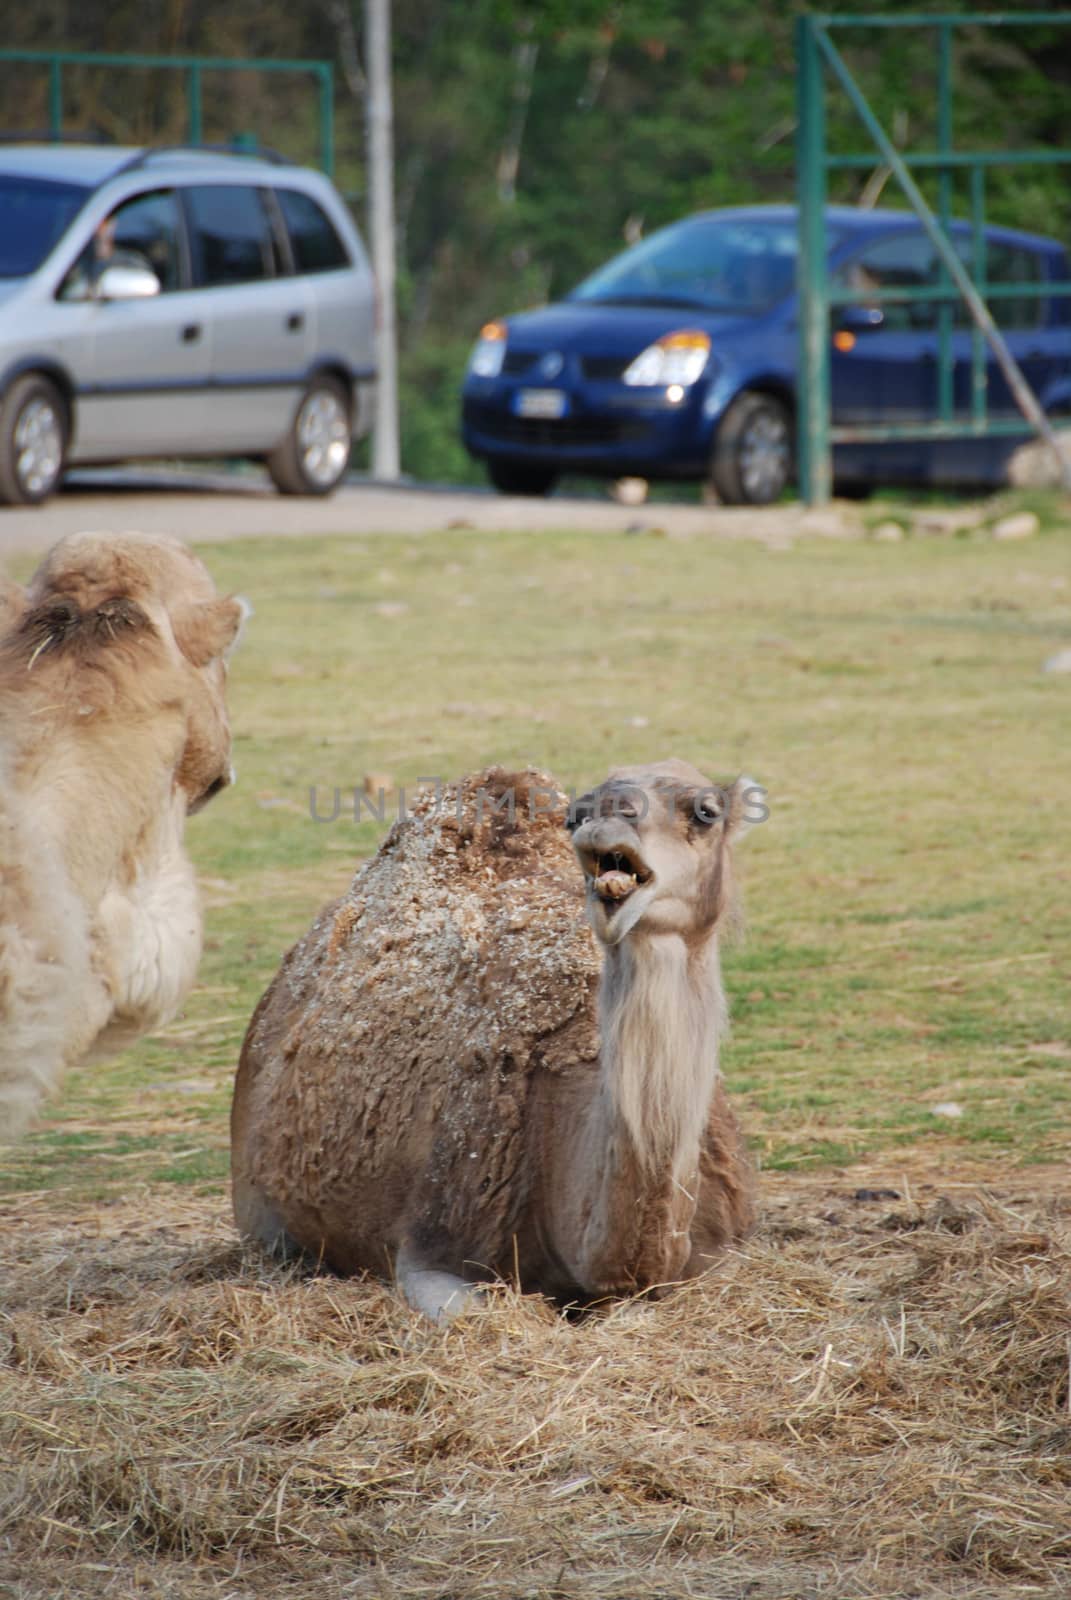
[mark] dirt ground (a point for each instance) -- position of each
(869, 1399)
(214, 507)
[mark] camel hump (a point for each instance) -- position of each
(476, 885)
(508, 822)
(386, 1074)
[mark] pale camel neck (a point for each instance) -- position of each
(661, 1016)
(626, 1195)
(89, 794)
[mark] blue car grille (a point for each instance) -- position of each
(604, 368)
(599, 369)
(577, 431)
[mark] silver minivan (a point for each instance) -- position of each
(178, 302)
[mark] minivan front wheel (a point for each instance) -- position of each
(33, 440)
(314, 455)
(752, 460)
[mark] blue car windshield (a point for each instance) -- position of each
(34, 213)
(740, 265)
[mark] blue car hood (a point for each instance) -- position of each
(584, 327)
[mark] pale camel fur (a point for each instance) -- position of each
(113, 726)
(445, 1081)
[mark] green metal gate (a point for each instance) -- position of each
(194, 67)
(817, 59)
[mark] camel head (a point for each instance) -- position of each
(653, 843)
(135, 620)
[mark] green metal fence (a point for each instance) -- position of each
(817, 60)
(194, 68)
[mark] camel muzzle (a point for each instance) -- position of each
(612, 865)
(222, 781)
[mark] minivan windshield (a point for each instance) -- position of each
(742, 265)
(34, 213)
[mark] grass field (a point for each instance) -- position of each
(907, 951)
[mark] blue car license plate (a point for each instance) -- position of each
(545, 403)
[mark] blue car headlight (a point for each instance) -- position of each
(677, 358)
(489, 351)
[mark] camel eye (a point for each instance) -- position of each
(708, 808)
(579, 812)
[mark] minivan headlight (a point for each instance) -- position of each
(489, 351)
(675, 358)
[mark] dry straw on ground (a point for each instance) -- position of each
(870, 1399)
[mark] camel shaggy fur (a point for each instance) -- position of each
(444, 1080)
(113, 727)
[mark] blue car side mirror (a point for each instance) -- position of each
(860, 319)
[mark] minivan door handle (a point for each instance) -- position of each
(295, 322)
(191, 333)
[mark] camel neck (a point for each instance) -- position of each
(81, 793)
(661, 1013)
(624, 1182)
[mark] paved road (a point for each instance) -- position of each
(214, 507)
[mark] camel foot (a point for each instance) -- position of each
(440, 1296)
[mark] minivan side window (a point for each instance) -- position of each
(313, 237)
(230, 235)
(143, 232)
(34, 214)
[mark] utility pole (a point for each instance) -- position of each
(385, 452)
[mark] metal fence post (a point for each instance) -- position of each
(327, 120)
(815, 467)
(979, 377)
(55, 96)
(945, 390)
(194, 112)
(386, 447)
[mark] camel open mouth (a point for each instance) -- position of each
(615, 874)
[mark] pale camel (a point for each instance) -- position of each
(444, 1081)
(113, 726)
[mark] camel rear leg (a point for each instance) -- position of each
(441, 1296)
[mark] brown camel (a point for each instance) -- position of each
(113, 726)
(444, 1080)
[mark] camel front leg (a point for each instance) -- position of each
(440, 1296)
(147, 938)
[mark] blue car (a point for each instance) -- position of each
(678, 359)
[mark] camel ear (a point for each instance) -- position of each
(210, 628)
(747, 806)
(13, 603)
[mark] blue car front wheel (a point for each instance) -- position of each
(752, 458)
(518, 477)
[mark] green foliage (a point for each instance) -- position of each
(430, 379)
(533, 139)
